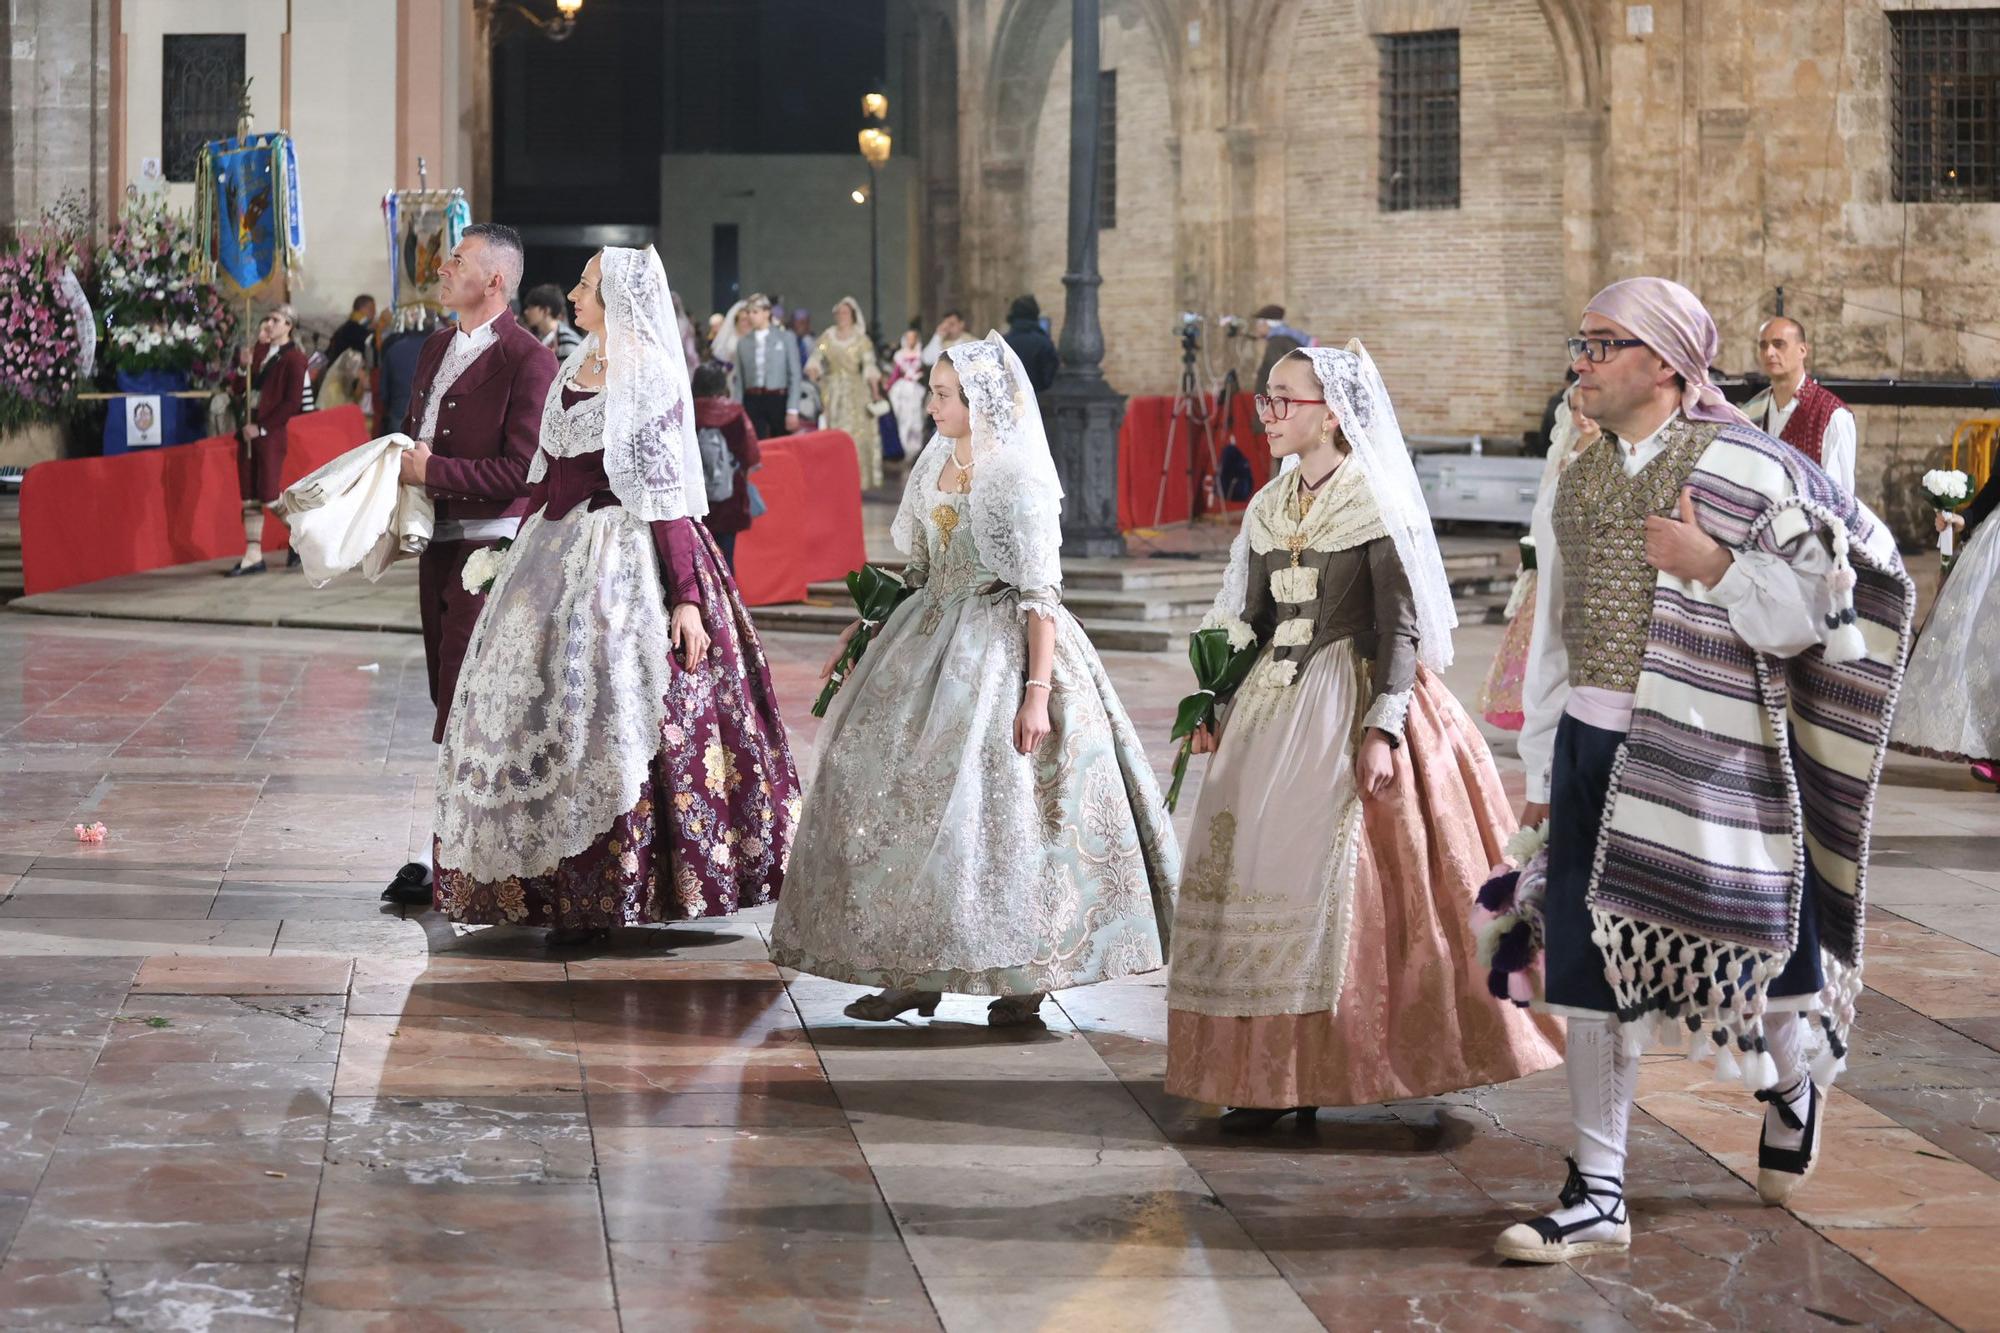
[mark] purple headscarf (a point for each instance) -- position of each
(1672, 321)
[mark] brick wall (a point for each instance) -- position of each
(1462, 308)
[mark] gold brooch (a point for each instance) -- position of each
(946, 518)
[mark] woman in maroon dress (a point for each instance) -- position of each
(614, 753)
(276, 391)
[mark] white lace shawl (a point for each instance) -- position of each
(648, 437)
(1016, 501)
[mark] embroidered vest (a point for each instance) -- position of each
(1805, 431)
(1600, 522)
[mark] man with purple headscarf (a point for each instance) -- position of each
(1717, 647)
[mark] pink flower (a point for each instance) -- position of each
(90, 832)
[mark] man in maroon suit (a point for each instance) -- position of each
(476, 415)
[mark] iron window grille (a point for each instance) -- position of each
(201, 82)
(1107, 149)
(1945, 83)
(1419, 120)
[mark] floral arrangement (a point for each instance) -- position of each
(483, 566)
(158, 314)
(1507, 918)
(47, 337)
(1946, 489)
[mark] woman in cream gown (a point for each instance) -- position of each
(843, 366)
(1323, 952)
(984, 818)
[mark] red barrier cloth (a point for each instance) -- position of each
(811, 529)
(84, 519)
(1142, 449)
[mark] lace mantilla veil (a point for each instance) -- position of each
(649, 439)
(1359, 400)
(1016, 501)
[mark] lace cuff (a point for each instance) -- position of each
(1043, 602)
(1388, 714)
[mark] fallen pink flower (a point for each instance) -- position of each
(90, 832)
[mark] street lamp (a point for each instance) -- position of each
(496, 17)
(875, 146)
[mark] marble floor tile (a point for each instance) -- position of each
(1114, 1303)
(205, 1100)
(104, 1294)
(205, 1201)
(346, 900)
(320, 1319)
(1955, 1271)
(44, 935)
(682, 1184)
(253, 1029)
(761, 1284)
(292, 975)
(384, 1242)
(1110, 1221)
(386, 1055)
(464, 1141)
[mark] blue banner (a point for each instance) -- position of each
(251, 202)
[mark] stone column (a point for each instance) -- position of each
(55, 125)
(1082, 412)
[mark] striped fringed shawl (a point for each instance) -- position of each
(1747, 780)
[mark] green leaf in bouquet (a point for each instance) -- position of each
(877, 593)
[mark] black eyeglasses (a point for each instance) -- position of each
(1278, 407)
(1597, 350)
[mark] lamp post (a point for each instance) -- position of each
(875, 146)
(1081, 412)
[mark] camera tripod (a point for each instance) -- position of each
(1192, 414)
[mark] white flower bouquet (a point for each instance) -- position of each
(483, 566)
(1946, 489)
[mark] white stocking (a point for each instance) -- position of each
(1785, 1037)
(1602, 1080)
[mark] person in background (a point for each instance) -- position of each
(276, 390)
(1797, 408)
(1280, 341)
(950, 333)
(543, 310)
(686, 328)
(400, 351)
(1031, 342)
(356, 335)
(718, 417)
(767, 370)
(802, 329)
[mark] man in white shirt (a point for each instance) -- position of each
(1799, 409)
(1660, 785)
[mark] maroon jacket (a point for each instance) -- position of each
(489, 424)
(281, 391)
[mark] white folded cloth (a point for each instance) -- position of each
(355, 512)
